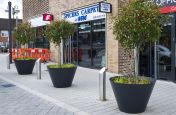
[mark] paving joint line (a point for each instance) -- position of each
(46, 97)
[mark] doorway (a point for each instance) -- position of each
(87, 47)
(165, 54)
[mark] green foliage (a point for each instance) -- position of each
(62, 66)
(59, 30)
(131, 80)
(24, 33)
(138, 23)
(25, 59)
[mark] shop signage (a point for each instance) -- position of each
(84, 14)
(105, 7)
(47, 17)
(167, 6)
(38, 21)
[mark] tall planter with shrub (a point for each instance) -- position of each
(61, 75)
(137, 24)
(24, 33)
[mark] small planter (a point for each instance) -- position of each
(24, 67)
(132, 98)
(62, 77)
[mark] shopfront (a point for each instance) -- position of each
(40, 40)
(162, 61)
(87, 46)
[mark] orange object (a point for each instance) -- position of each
(47, 54)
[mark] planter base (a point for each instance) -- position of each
(132, 98)
(62, 77)
(24, 67)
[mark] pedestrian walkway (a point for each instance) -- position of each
(83, 97)
(15, 101)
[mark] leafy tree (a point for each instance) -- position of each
(58, 31)
(24, 33)
(138, 23)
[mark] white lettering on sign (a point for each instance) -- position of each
(84, 14)
(164, 2)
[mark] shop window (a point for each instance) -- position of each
(40, 40)
(4, 33)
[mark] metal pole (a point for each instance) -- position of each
(38, 68)
(155, 62)
(102, 84)
(61, 50)
(16, 40)
(13, 25)
(106, 40)
(10, 31)
(70, 49)
(8, 61)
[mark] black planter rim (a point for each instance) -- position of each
(61, 68)
(24, 59)
(151, 79)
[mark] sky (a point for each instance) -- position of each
(4, 6)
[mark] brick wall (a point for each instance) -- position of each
(126, 63)
(54, 8)
(33, 8)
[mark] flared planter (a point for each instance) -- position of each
(132, 98)
(24, 67)
(62, 77)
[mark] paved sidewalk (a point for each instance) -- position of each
(15, 101)
(83, 98)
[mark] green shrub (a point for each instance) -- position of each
(62, 66)
(131, 80)
(59, 30)
(24, 33)
(25, 59)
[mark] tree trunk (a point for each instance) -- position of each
(136, 58)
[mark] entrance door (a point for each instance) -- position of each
(165, 54)
(84, 44)
(166, 51)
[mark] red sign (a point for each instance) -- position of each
(168, 9)
(47, 17)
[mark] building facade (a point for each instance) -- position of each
(4, 31)
(93, 44)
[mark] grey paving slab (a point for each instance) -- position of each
(83, 96)
(15, 101)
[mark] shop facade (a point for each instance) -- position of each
(87, 46)
(93, 44)
(40, 40)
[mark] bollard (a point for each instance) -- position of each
(102, 84)
(38, 68)
(8, 61)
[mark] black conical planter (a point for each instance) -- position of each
(62, 77)
(132, 98)
(24, 67)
